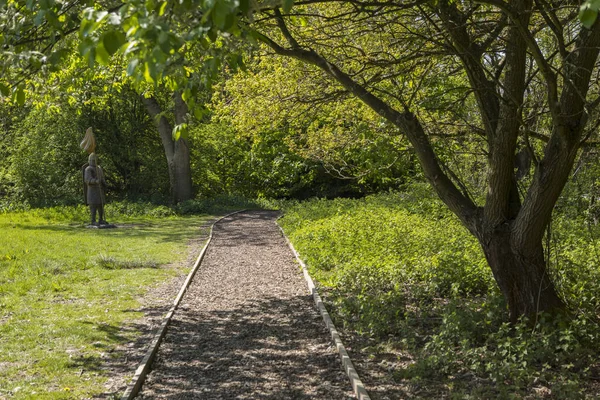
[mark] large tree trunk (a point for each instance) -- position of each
(177, 152)
(521, 273)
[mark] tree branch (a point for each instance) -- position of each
(536, 52)
(408, 123)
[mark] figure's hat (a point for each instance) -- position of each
(89, 141)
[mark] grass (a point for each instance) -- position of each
(68, 294)
(404, 278)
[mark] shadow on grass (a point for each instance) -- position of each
(119, 351)
(113, 263)
(166, 231)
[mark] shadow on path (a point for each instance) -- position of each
(228, 233)
(265, 349)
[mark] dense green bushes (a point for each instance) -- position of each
(42, 159)
(382, 251)
(400, 269)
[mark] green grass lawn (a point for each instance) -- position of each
(66, 293)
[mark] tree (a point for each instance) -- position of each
(38, 38)
(177, 150)
(282, 100)
(506, 53)
(525, 67)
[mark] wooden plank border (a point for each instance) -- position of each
(144, 367)
(359, 388)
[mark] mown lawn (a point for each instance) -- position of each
(67, 291)
(401, 273)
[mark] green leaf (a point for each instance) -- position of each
(187, 93)
(244, 6)
(131, 47)
(113, 41)
(287, 5)
(158, 55)
(180, 131)
(163, 37)
(91, 56)
(150, 5)
(85, 46)
(19, 96)
(87, 27)
(199, 113)
(176, 133)
(149, 72)
(592, 4)
(100, 15)
(164, 42)
(213, 35)
(102, 55)
(162, 9)
(230, 21)
(58, 56)
(4, 89)
(132, 66)
(39, 18)
(587, 17)
(219, 15)
(240, 63)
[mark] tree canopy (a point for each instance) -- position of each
(513, 84)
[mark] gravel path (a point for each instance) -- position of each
(247, 327)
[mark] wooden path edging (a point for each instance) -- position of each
(359, 388)
(144, 366)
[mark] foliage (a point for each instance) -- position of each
(588, 12)
(161, 41)
(385, 250)
(313, 129)
(129, 147)
(398, 269)
(220, 205)
(45, 159)
(67, 294)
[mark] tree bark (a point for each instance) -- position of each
(177, 152)
(520, 271)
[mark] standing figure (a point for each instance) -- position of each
(93, 178)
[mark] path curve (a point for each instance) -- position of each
(247, 327)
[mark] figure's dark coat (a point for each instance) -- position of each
(93, 179)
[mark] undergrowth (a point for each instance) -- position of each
(399, 270)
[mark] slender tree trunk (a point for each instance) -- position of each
(181, 156)
(177, 152)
